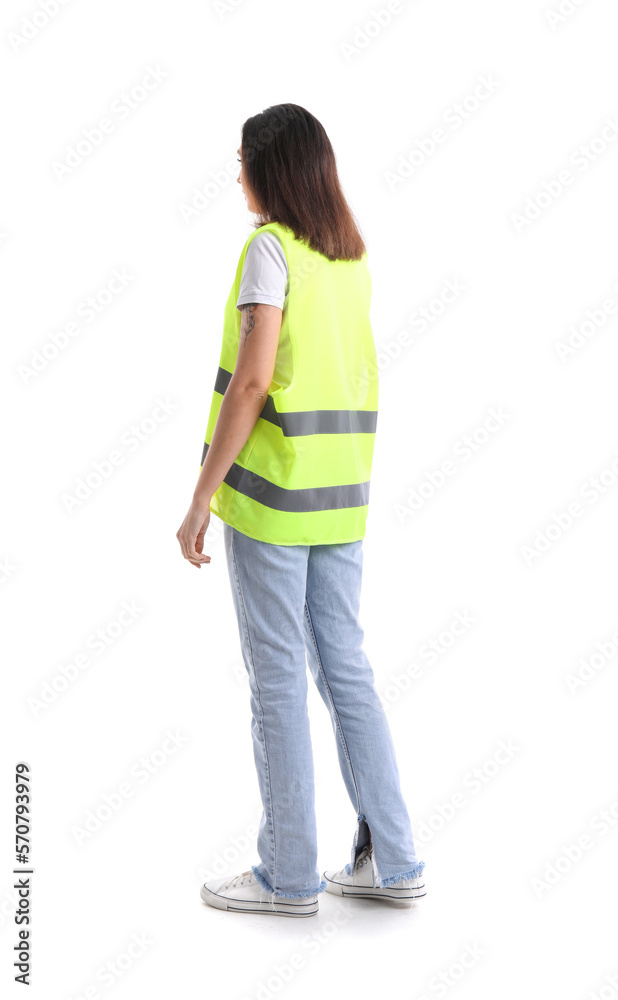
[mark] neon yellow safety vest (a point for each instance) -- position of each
(303, 476)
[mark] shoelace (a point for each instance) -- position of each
(238, 880)
(359, 864)
(244, 877)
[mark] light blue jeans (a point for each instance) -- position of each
(296, 603)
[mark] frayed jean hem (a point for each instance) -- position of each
(367, 842)
(413, 873)
(285, 895)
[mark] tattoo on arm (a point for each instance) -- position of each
(248, 318)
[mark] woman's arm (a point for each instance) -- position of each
(244, 397)
(242, 404)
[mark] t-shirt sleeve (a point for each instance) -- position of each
(265, 272)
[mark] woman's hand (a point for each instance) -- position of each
(191, 533)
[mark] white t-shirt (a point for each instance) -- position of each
(265, 278)
(265, 272)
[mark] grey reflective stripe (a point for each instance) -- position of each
(310, 421)
(296, 501)
(222, 380)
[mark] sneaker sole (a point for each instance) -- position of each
(408, 894)
(280, 908)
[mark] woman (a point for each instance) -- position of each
(286, 466)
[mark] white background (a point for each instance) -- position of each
(472, 545)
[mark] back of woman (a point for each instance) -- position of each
(286, 465)
(303, 475)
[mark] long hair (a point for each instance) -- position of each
(289, 164)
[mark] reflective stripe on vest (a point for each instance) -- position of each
(303, 476)
(308, 421)
(311, 498)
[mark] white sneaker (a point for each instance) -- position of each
(362, 883)
(244, 893)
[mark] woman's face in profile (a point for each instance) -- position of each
(251, 202)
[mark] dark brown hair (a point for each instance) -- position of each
(289, 165)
